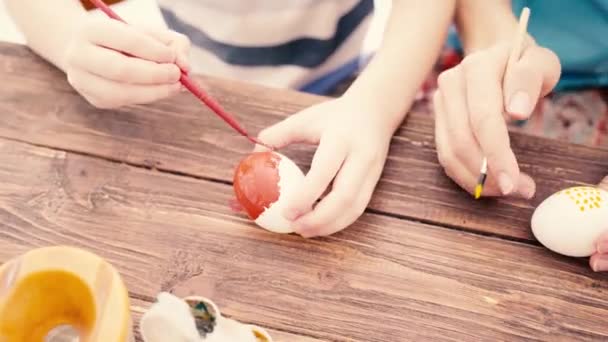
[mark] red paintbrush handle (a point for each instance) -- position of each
(189, 84)
(107, 10)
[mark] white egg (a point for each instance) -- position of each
(264, 182)
(570, 221)
(290, 177)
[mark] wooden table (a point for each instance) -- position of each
(148, 187)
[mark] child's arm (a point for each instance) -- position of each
(482, 23)
(354, 131)
(414, 36)
(475, 98)
(87, 50)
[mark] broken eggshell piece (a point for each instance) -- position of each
(194, 319)
(263, 181)
(570, 221)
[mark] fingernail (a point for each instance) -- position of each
(520, 104)
(504, 183)
(600, 264)
(602, 246)
(528, 192)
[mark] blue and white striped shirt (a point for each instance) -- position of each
(309, 45)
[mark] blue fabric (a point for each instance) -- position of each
(327, 82)
(577, 31)
(305, 52)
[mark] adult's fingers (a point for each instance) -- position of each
(462, 164)
(450, 162)
(325, 165)
(118, 36)
(603, 184)
(462, 143)
(103, 93)
(483, 75)
(534, 75)
(599, 262)
(114, 66)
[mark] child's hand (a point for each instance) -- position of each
(109, 79)
(472, 105)
(353, 141)
(599, 260)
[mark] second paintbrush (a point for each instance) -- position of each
(516, 49)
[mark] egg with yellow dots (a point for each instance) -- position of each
(570, 221)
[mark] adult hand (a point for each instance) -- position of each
(599, 260)
(473, 104)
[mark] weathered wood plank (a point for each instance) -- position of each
(179, 135)
(383, 280)
(139, 307)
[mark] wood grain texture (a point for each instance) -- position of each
(383, 280)
(179, 135)
(139, 307)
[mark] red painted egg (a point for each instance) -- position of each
(262, 182)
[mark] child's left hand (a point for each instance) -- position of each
(353, 138)
(599, 260)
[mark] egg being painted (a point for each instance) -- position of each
(570, 221)
(262, 183)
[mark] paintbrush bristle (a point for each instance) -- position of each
(478, 190)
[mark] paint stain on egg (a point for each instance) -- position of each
(584, 198)
(256, 182)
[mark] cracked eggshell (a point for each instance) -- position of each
(262, 183)
(570, 221)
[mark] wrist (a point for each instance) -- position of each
(482, 24)
(382, 113)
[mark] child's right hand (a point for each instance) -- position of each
(472, 105)
(98, 70)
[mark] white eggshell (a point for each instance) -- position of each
(570, 221)
(290, 177)
(169, 319)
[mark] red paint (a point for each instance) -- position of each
(189, 84)
(256, 182)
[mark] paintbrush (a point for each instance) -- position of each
(189, 84)
(516, 49)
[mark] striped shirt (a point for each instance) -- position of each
(310, 45)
